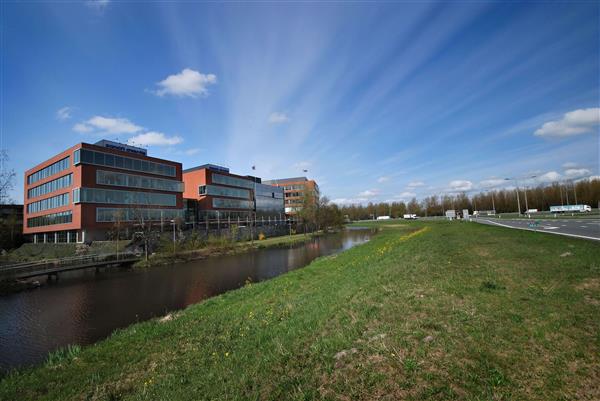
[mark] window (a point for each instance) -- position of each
(107, 214)
(231, 203)
(97, 195)
(108, 159)
(52, 169)
(137, 181)
(48, 203)
(50, 219)
(233, 181)
(224, 191)
(50, 186)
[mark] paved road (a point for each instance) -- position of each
(581, 228)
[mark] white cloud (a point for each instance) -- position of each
(153, 138)
(64, 113)
(492, 182)
(97, 4)
(303, 165)
(575, 122)
(187, 83)
(192, 151)
(407, 195)
(550, 176)
(349, 201)
(107, 126)
(460, 185)
(369, 193)
(383, 179)
(278, 118)
(569, 165)
(415, 184)
(577, 172)
(82, 128)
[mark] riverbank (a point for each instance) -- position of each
(425, 310)
(223, 247)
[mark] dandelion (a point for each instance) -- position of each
(227, 354)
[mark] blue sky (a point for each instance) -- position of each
(378, 102)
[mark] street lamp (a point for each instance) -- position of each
(516, 180)
(173, 222)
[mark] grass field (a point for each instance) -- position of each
(426, 310)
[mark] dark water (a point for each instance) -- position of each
(85, 306)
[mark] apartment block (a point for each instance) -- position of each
(294, 190)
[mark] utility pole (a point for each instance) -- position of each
(574, 191)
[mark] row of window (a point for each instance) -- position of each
(50, 186)
(223, 191)
(137, 181)
(293, 201)
(294, 187)
(293, 194)
(265, 204)
(222, 203)
(110, 160)
(233, 181)
(108, 214)
(50, 219)
(52, 169)
(269, 191)
(48, 203)
(98, 195)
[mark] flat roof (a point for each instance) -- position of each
(284, 180)
(207, 166)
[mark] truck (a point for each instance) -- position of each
(410, 216)
(383, 217)
(570, 208)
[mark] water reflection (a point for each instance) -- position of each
(85, 306)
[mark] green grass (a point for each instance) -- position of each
(426, 310)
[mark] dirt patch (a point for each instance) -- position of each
(592, 284)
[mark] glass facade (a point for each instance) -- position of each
(87, 156)
(97, 195)
(269, 201)
(233, 181)
(137, 181)
(221, 203)
(48, 203)
(223, 191)
(108, 214)
(52, 169)
(50, 219)
(50, 186)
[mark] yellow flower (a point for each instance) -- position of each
(227, 354)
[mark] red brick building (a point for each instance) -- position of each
(294, 190)
(212, 192)
(79, 194)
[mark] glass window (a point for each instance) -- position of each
(50, 170)
(109, 160)
(231, 203)
(104, 215)
(76, 157)
(233, 181)
(97, 195)
(137, 181)
(51, 186)
(50, 219)
(48, 203)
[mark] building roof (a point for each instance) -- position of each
(207, 166)
(284, 180)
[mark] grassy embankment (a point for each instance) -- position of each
(32, 252)
(426, 310)
(216, 246)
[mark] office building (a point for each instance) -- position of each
(213, 193)
(294, 190)
(80, 194)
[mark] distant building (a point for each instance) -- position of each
(294, 190)
(79, 194)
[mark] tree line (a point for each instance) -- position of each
(585, 192)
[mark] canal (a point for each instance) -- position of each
(84, 306)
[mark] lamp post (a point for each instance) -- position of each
(173, 222)
(517, 188)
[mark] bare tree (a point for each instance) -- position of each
(7, 179)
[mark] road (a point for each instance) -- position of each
(580, 228)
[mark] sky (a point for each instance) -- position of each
(379, 102)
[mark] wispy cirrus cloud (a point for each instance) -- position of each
(64, 113)
(460, 185)
(278, 118)
(369, 193)
(573, 123)
(415, 184)
(187, 83)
